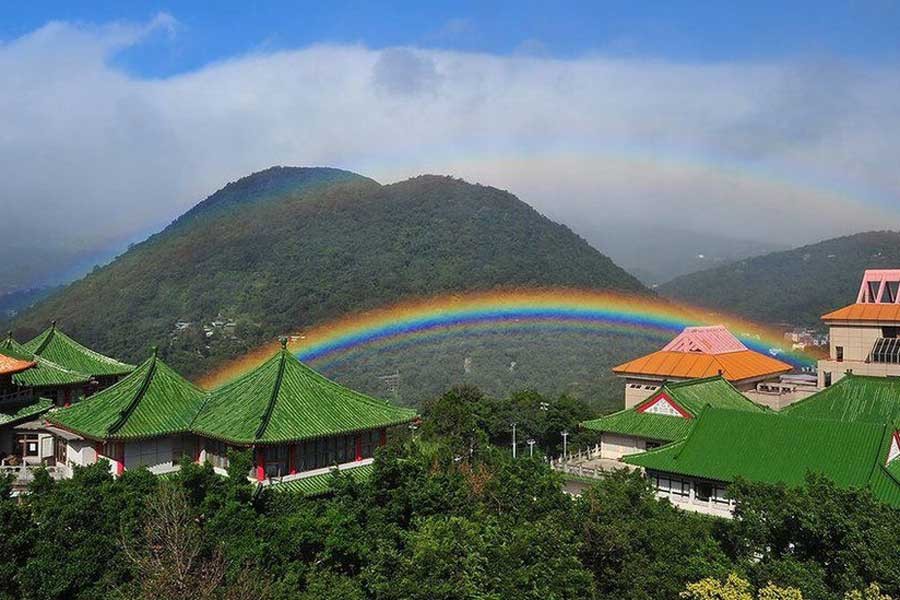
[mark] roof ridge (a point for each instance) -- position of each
(48, 333)
(877, 462)
(270, 407)
(93, 353)
(692, 430)
(689, 382)
(132, 405)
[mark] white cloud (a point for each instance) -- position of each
(786, 152)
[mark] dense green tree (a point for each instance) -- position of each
(641, 548)
(825, 540)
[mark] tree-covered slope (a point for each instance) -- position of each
(286, 248)
(797, 286)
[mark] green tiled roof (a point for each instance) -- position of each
(32, 410)
(773, 448)
(153, 400)
(319, 484)
(691, 395)
(283, 400)
(45, 373)
(59, 348)
(853, 398)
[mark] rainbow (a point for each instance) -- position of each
(426, 320)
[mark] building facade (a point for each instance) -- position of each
(700, 352)
(296, 422)
(864, 337)
(664, 416)
(849, 433)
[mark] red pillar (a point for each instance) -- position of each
(358, 446)
(260, 464)
(292, 467)
(383, 439)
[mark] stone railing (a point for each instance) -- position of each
(579, 470)
(24, 474)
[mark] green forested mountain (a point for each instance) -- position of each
(797, 286)
(288, 247)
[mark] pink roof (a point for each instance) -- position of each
(714, 339)
(879, 286)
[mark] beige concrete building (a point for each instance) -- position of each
(863, 337)
(702, 352)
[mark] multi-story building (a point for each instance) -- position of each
(700, 352)
(864, 337)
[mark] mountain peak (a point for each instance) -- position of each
(273, 182)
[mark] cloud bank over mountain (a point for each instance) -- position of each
(784, 152)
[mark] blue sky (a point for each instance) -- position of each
(693, 31)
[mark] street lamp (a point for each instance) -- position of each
(565, 435)
(530, 447)
(514, 439)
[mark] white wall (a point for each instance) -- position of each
(615, 446)
(638, 390)
(78, 453)
(155, 454)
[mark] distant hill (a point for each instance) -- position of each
(796, 286)
(288, 247)
(656, 254)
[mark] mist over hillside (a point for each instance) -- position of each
(795, 286)
(285, 248)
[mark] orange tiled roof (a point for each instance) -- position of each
(735, 366)
(10, 365)
(865, 312)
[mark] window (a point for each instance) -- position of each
(886, 350)
(60, 451)
(216, 453)
(839, 353)
(276, 458)
(29, 444)
(720, 495)
(703, 491)
(827, 379)
(889, 332)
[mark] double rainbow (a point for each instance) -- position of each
(514, 310)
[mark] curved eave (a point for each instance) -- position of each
(15, 367)
(95, 437)
(292, 440)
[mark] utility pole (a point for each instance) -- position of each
(530, 448)
(565, 435)
(514, 439)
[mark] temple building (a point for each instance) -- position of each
(298, 423)
(865, 337)
(143, 420)
(58, 348)
(18, 405)
(47, 379)
(849, 432)
(699, 352)
(665, 416)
